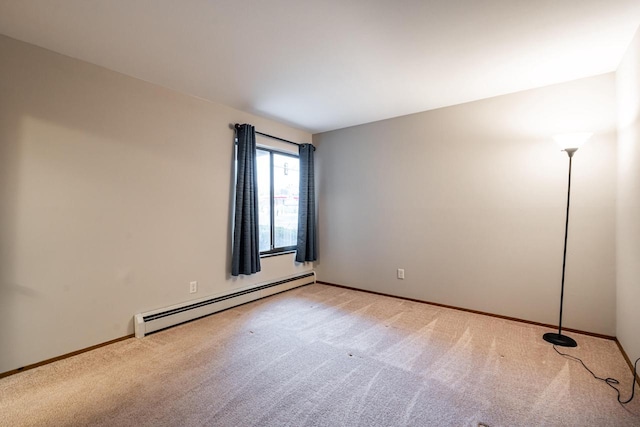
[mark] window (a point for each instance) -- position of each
(278, 185)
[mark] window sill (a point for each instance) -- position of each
(293, 251)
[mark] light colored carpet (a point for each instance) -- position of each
(326, 356)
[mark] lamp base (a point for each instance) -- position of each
(561, 340)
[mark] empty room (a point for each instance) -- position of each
(321, 213)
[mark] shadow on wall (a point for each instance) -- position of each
(9, 287)
(105, 185)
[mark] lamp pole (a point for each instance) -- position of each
(569, 143)
(553, 338)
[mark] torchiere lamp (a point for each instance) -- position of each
(569, 143)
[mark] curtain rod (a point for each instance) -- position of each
(274, 137)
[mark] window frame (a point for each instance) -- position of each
(284, 249)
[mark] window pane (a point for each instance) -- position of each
(264, 198)
(285, 198)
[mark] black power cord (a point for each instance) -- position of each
(609, 381)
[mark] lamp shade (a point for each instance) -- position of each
(571, 141)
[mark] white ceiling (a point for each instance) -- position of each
(324, 65)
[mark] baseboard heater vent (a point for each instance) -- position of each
(153, 321)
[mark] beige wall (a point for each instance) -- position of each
(628, 220)
(470, 200)
(114, 194)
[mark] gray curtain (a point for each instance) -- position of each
(307, 248)
(246, 252)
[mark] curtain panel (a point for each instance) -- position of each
(307, 248)
(245, 252)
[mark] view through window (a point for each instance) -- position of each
(278, 185)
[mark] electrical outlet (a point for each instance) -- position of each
(401, 273)
(193, 287)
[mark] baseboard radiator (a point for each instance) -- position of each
(153, 321)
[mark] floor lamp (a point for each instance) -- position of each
(569, 143)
